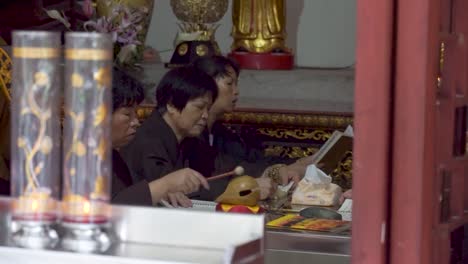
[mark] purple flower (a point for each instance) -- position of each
(123, 23)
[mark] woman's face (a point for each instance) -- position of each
(227, 92)
(192, 120)
(124, 125)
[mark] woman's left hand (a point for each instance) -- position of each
(293, 172)
(267, 187)
(179, 199)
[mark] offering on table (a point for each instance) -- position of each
(241, 195)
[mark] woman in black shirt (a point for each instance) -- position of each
(127, 94)
(228, 147)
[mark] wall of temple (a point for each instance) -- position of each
(322, 33)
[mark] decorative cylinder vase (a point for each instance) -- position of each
(35, 136)
(87, 140)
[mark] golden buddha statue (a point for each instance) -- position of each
(259, 34)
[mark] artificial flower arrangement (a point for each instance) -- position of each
(123, 22)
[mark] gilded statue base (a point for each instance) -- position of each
(188, 51)
(264, 61)
(259, 33)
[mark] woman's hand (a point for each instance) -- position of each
(346, 195)
(175, 185)
(179, 199)
(184, 181)
(293, 172)
(267, 187)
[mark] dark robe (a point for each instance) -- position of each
(123, 189)
(205, 159)
(4, 144)
(227, 150)
(154, 152)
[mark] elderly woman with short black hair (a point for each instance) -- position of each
(184, 97)
(127, 95)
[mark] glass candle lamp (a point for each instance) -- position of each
(35, 136)
(87, 157)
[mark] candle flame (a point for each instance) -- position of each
(86, 207)
(34, 205)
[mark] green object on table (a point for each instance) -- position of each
(320, 213)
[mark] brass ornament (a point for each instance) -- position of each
(199, 11)
(242, 190)
(198, 23)
(183, 48)
(201, 50)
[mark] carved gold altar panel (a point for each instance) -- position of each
(291, 135)
(5, 73)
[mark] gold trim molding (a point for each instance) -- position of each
(88, 54)
(297, 133)
(35, 53)
(319, 119)
(289, 152)
(343, 174)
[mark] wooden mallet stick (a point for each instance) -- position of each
(237, 171)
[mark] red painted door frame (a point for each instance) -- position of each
(414, 135)
(372, 123)
(408, 181)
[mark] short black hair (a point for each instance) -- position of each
(126, 90)
(182, 84)
(216, 66)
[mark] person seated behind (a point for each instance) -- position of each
(127, 94)
(346, 195)
(228, 145)
(184, 96)
(4, 142)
